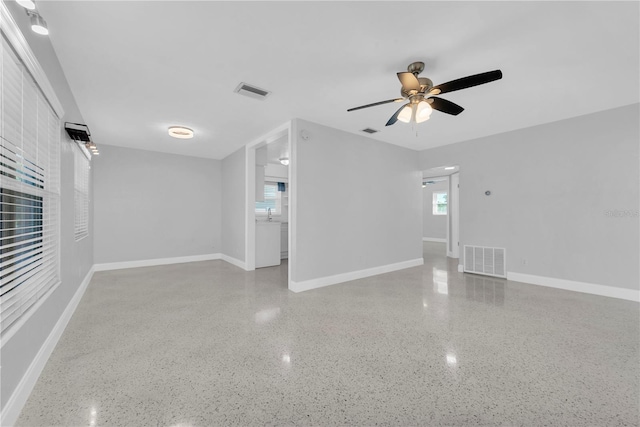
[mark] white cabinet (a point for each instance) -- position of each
(267, 243)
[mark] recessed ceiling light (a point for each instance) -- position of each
(449, 168)
(27, 4)
(180, 132)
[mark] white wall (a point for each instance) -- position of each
(76, 258)
(552, 187)
(233, 205)
(358, 203)
(151, 205)
(433, 226)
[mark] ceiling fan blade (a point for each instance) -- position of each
(465, 82)
(394, 118)
(445, 106)
(376, 103)
(409, 81)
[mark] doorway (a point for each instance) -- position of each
(441, 208)
(267, 193)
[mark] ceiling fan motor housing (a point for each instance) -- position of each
(416, 68)
(426, 83)
(425, 86)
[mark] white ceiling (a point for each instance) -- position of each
(277, 150)
(137, 67)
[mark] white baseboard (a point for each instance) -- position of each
(434, 239)
(14, 405)
(571, 285)
(233, 261)
(156, 261)
(320, 282)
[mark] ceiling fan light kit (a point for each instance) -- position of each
(420, 91)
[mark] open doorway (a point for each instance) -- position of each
(267, 200)
(441, 215)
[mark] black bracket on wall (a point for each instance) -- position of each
(78, 132)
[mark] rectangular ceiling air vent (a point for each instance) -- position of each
(369, 130)
(251, 91)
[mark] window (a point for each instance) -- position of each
(439, 202)
(272, 199)
(29, 191)
(81, 194)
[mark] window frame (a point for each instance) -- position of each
(16, 42)
(435, 203)
(277, 211)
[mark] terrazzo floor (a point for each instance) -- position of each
(209, 344)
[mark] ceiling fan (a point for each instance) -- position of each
(420, 91)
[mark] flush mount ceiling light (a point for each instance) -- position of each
(284, 160)
(38, 24)
(180, 132)
(449, 168)
(27, 4)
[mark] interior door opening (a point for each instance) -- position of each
(441, 207)
(268, 224)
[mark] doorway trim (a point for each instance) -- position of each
(453, 218)
(453, 206)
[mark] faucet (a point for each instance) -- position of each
(269, 215)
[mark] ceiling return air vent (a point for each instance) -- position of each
(486, 261)
(369, 130)
(251, 91)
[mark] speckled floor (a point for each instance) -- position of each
(209, 344)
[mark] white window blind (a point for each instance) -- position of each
(272, 200)
(81, 194)
(29, 191)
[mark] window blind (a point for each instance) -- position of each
(29, 191)
(272, 200)
(81, 194)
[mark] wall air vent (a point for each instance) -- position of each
(78, 132)
(486, 261)
(369, 130)
(81, 135)
(251, 91)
